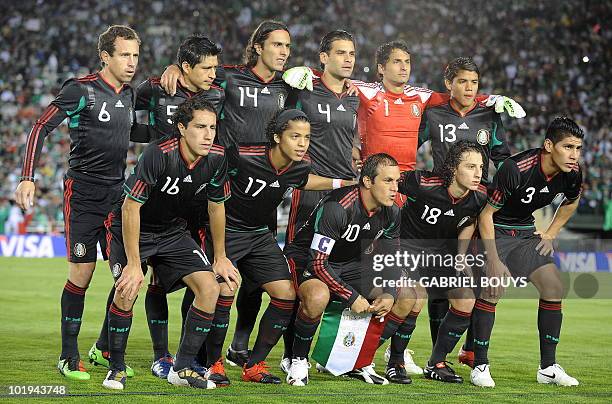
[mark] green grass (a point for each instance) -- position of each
(30, 344)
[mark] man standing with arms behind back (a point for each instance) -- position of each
(101, 116)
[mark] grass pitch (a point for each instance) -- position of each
(30, 345)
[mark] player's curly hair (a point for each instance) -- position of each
(194, 48)
(454, 158)
(462, 63)
(278, 124)
(371, 164)
(106, 40)
(184, 112)
(562, 127)
(383, 53)
(258, 37)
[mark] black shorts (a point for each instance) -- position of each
(256, 255)
(302, 205)
(517, 250)
(351, 273)
(86, 207)
(173, 255)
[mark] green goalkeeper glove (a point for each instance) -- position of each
(502, 103)
(299, 77)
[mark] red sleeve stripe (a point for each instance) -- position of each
(168, 143)
(482, 189)
(527, 167)
(497, 196)
(527, 160)
(321, 272)
(226, 189)
(28, 168)
(350, 197)
(139, 187)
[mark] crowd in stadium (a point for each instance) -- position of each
(551, 57)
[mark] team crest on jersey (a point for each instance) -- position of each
(482, 137)
(416, 111)
(349, 339)
(116, 270)
(80, 250)
(281, 101)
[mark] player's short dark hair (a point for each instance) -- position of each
(383, 53)
(258, 37)
(332, 36)
(562, 127)
(184, 112)
(453, 159)
(371, 164)
(279, 122)
(106, 40)
(462, 63)
(194, 48)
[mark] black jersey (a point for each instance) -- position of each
(166, 184)
(431, 215)
(333, 120)
(101, 119)
(336, 232)
(151, 97)
(258, 188)
(519, 188)
(443, 126)
(250, 103)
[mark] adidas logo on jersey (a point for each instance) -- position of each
(119, 104)
(275, 184)
(398, 101)
(265, 90)
(341, 108)
(187, 178)
(544, 190)
(463, 126)
(449, 213)
(367, 226)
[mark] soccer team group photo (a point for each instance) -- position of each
(294, 201)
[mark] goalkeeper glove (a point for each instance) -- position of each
(502, 103)
(299, 77)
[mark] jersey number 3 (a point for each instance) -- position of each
(530, 191)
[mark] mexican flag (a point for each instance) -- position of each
(347, 340)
